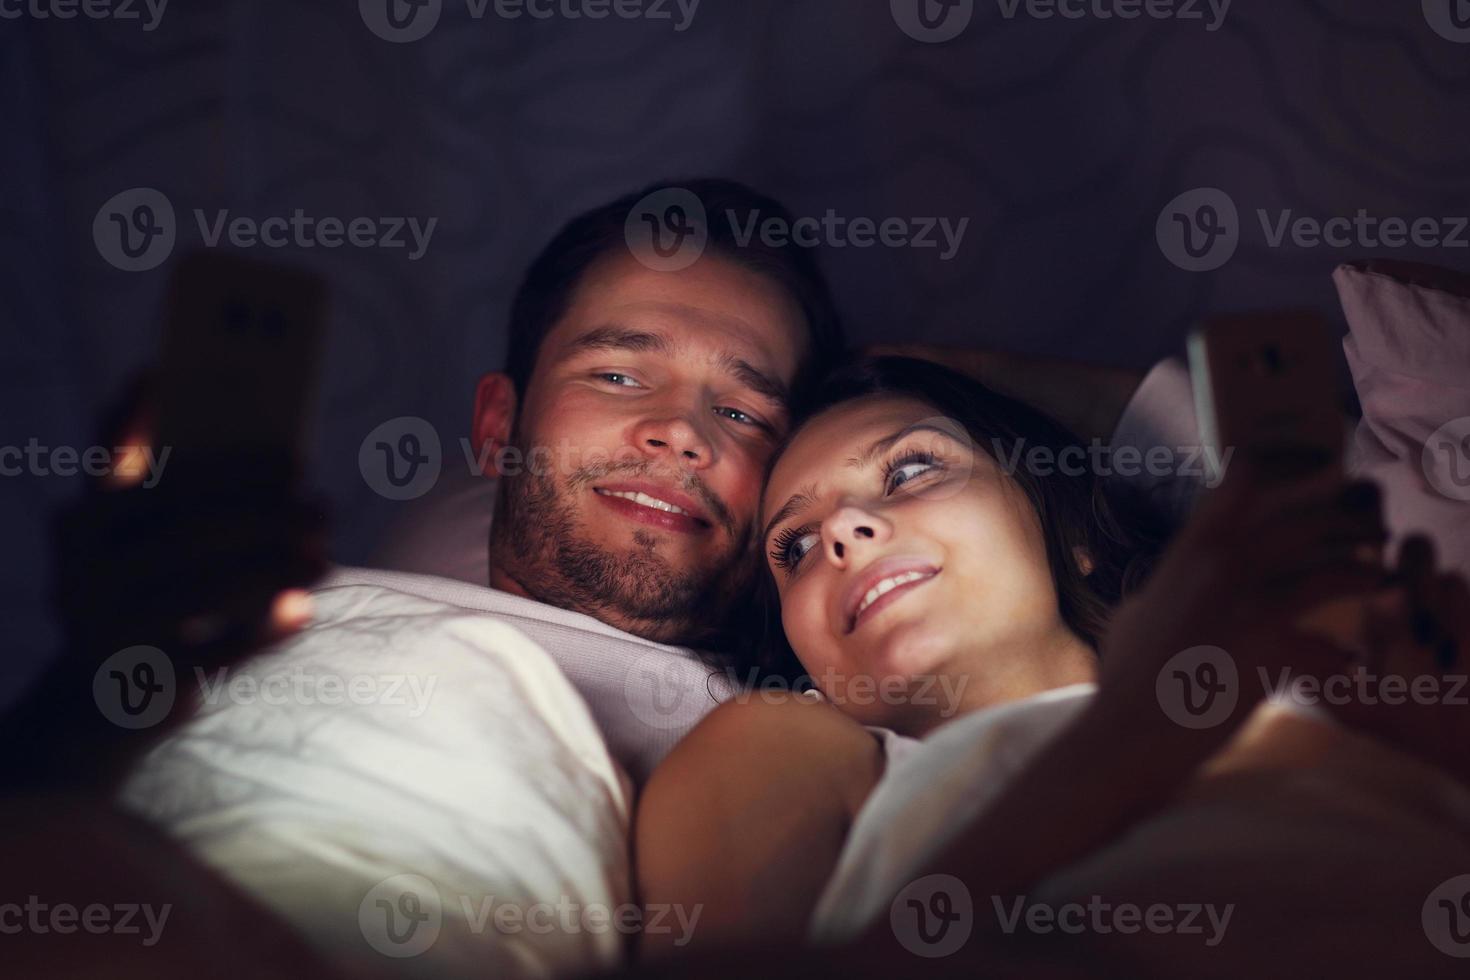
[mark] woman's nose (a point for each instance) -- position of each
(852, 530)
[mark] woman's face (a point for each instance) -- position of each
(912, 570)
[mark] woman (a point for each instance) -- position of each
(929, 566)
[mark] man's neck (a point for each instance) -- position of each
(503, 582)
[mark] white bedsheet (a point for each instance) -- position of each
(418, 790)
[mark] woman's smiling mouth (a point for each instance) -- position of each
(883, 584)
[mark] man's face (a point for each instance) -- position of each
(645, 429)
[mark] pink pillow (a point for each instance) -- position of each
(1409, 350)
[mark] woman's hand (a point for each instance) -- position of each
(1410, 690)
(1223, 613)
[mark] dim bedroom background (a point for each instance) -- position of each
(1057, 143)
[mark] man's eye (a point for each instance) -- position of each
(736, 415)
(621, 380)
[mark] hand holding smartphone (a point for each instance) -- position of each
(1265, 388)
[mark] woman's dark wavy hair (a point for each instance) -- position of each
(1122, 534)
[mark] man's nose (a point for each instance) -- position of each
(852, 530)
(677, 437)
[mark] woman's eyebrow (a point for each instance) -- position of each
(883, 445)
(803, 498)
(794, 505)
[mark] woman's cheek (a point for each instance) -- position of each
(806, 627)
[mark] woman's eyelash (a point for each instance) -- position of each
(916, 456)
(781, 547)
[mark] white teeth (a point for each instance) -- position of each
(886, 586)
(645, 500)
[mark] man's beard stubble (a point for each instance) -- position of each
(538, 540)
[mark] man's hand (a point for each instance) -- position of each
(207, 565)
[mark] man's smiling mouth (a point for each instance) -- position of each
(657, 506)
(639, 497)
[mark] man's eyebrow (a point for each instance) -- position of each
(755, 379)
(620, 338)
(798, 502)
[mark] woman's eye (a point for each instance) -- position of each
(621, 380)
(791, 547)
(908, 471)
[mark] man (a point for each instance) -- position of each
(405, 767)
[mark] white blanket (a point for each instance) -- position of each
(416, 789)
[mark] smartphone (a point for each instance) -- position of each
(241, 343)
(1265, 386)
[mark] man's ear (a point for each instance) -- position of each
(1084, 561)
(495, 416)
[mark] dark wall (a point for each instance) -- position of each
(1060, 140)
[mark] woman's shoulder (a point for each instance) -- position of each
(783, 736)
